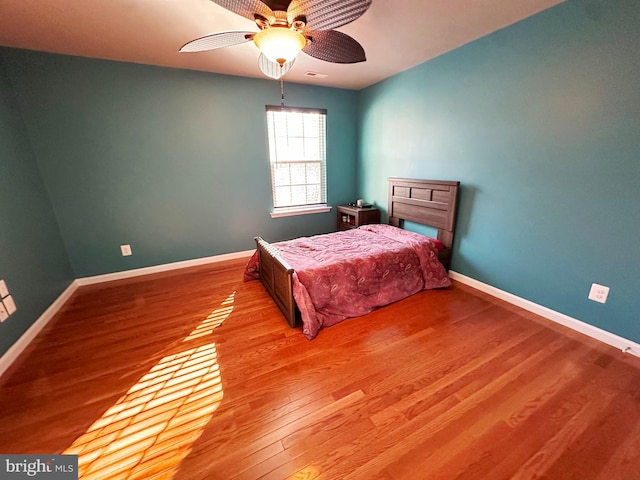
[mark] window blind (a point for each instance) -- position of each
(297, 153)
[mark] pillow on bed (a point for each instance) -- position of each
(390, 230)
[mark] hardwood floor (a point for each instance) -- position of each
(195, 375)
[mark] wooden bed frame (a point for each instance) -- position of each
(427, 202)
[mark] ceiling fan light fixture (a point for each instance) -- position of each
(279, 44)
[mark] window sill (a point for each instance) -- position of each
(290, 212)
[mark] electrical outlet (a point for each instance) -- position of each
(4, 291)
(3, 313)
(598, 293)
(9, 304)
(126, 250)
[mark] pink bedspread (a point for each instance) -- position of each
(348, 274)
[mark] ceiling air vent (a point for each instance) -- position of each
(315, 75)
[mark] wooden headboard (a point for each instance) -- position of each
(429, 202)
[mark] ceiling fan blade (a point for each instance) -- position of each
(248, 8)
(273, 69)
(217, 40)
(335, 47)
(327, 14)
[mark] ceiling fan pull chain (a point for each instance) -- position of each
(281, 89)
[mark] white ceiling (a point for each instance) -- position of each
(396, 34)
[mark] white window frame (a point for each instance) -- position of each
(297, 158)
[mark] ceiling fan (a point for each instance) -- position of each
(287, 27)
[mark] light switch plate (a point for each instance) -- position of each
(9, 304)
(3, 313)
(4, 291)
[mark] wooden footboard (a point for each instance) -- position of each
(277, 277)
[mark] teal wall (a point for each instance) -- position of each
(173, 162)
(541, 124)
(33, 261)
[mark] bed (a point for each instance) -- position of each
(313, 294)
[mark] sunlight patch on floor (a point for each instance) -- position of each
(308, 473)
(152, 427)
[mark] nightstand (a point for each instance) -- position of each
(352, 217)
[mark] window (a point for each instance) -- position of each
(298, 159)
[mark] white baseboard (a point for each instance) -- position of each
(162, 268)
(609, 338)
(27, 337)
